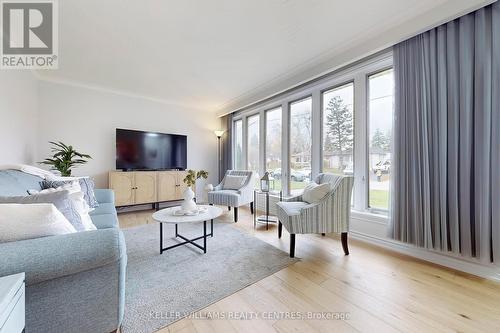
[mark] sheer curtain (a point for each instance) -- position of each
(447, 137)
(227, 156)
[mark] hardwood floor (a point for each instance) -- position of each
(379, 291)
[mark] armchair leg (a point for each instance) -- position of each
(322, 234)
(229, 208)
(343, 238)
(292, 245)
(280, 229)
(251, 207)
(235, 214)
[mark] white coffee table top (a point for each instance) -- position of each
(166, 215)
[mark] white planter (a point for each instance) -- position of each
(188, 204)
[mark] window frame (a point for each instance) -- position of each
(234, 143)
(289, 126)
(259, 124)
(374, 210)
(358, 74)
(266, 112)
(322, 118)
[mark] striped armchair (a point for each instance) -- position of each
(234, 198)
(330, 214)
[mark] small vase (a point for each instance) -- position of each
(188, 204)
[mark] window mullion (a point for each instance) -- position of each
(285, 146)
(316, 155)
(360, 143)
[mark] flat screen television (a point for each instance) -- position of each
(138, 150)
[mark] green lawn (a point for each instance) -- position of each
(379, 199)
(293, 185)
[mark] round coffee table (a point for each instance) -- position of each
(166, 216)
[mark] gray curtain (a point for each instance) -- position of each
(447, 137)
(227, 151)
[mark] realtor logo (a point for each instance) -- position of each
(29, 31)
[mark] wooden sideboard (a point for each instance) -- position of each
(144, 187)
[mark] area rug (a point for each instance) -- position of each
(164, 288)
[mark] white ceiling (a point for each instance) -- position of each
(217, 54)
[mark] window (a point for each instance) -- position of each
(253, 142)
(381, 110)
(346, 115)
(338, 130)
(300, 144)
(273, 145)
(238, 145)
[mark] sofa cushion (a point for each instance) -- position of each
(234, 182)
(104, 208)
(86, 184)
(291, 208)
(60, 199)
(313, 192)
(104, 221)
(16, 183)
(224, 197)
(19, 222)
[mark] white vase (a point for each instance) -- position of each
(188, 204)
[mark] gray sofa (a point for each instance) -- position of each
(75, 282)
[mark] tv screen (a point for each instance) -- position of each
(137, 150)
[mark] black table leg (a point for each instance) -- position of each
(255, 215)
(176, 233)
(161, 238)
(204, 236)
(267, 211)
(211, 228)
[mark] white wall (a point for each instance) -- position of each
(18, 117)
(87, 119)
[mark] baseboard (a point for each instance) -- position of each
(487, 271)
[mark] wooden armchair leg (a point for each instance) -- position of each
(229, 208)
(343, 238)
(251, 207)
(292, 245)
(235, 214)
(280, 229)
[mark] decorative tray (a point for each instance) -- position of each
(180, 212)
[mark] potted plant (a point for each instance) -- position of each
(192, 176)
(65, 158)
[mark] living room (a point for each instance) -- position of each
(225, 166)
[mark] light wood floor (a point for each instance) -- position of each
(381, 291)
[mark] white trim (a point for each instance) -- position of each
(490, 272)
(303, 75)
(367, 216)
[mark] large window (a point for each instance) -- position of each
(300, 144)
(273, 145)
(253, 142)
(340, 123)
(238, 145)
(381, 110)
(338, 130)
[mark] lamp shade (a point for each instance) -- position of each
(219, 133)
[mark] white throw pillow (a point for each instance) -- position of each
(76, 195)
(26, 221)
(234, 182)
(314, 193)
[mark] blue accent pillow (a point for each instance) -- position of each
(60, 199)
(86, 184)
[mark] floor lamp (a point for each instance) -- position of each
(219, 133)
